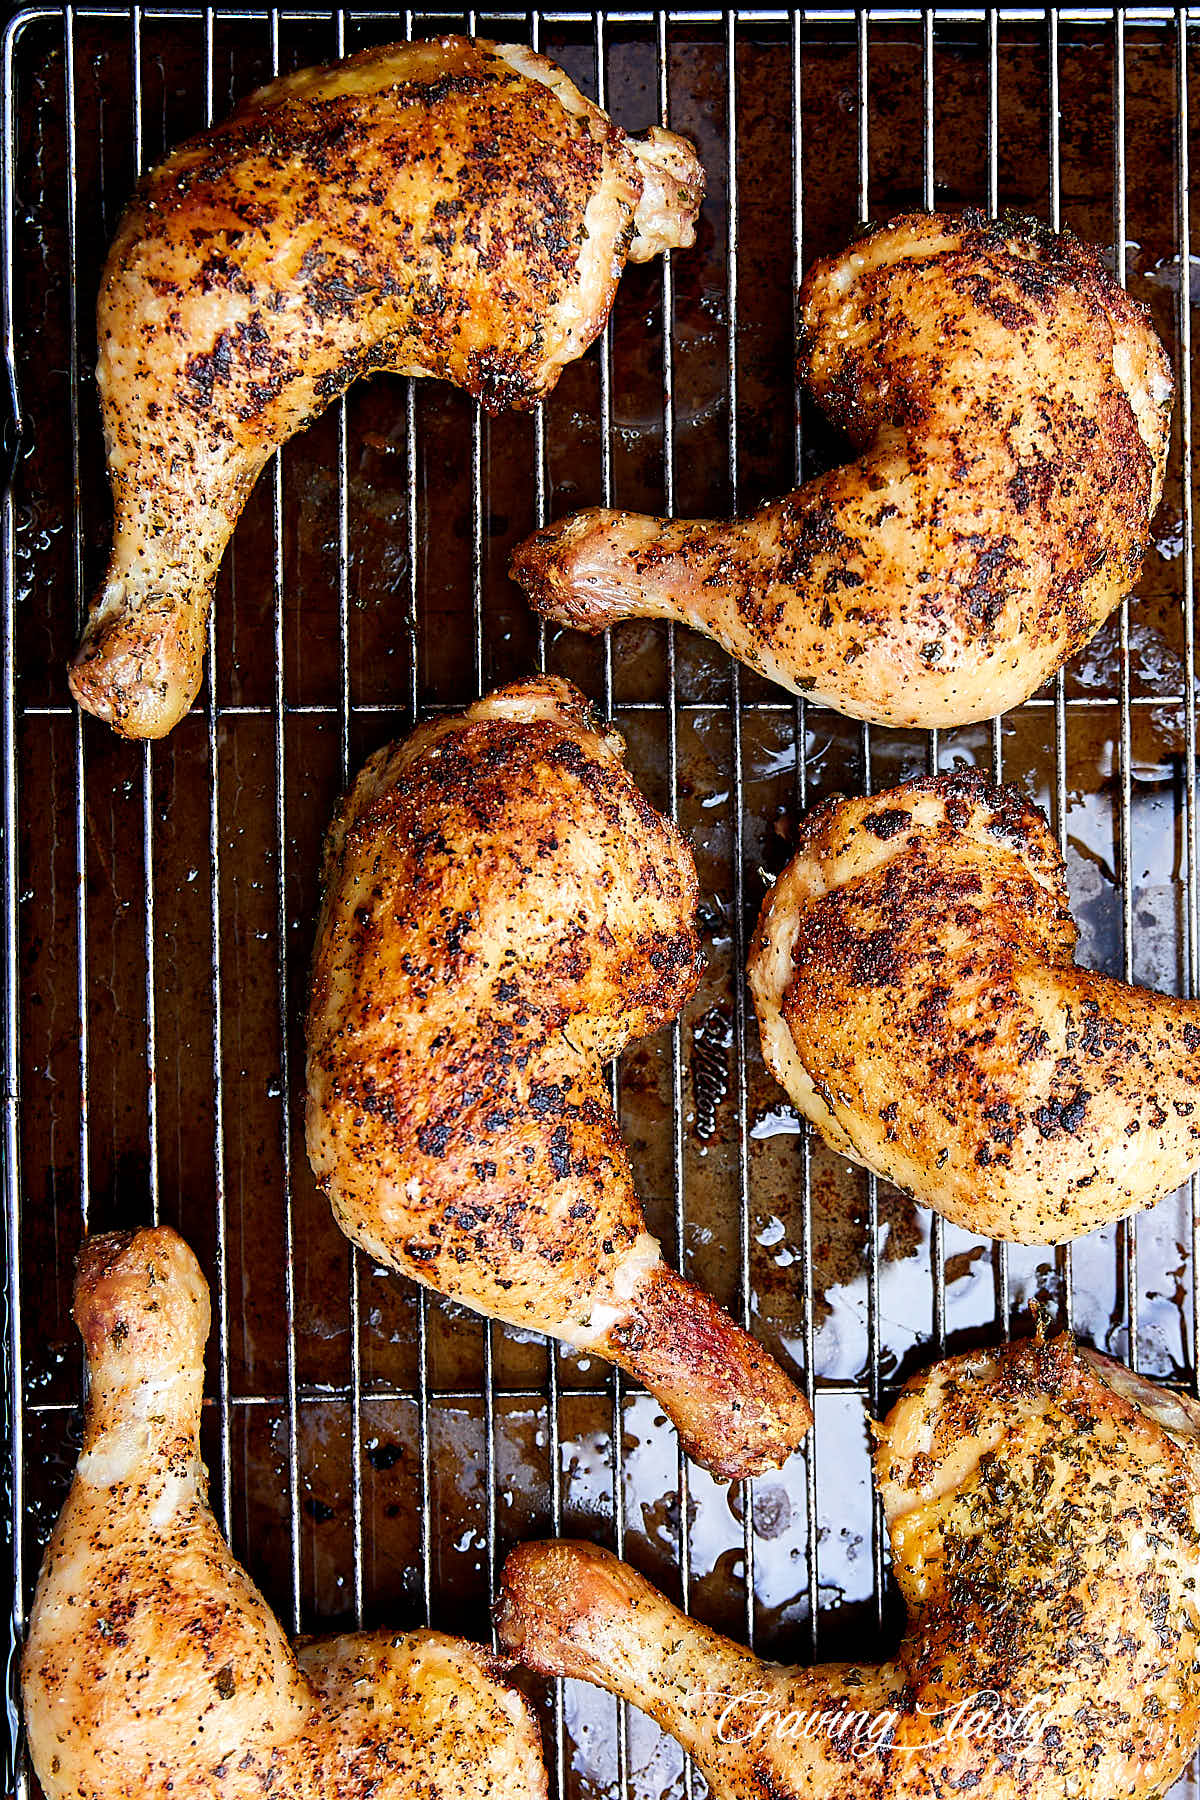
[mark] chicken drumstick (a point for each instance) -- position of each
(1012, 406)
(1044, 1511)
(450, 208)
(503, 912)
(915, 986)
(153, 1666)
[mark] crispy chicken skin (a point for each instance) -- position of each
(1044, 1512)
(153, 1666)
(1012, 409)
(913, 975)
(449, 208)
(503, 912)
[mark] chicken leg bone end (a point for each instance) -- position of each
(736, 1411)
(140, 661)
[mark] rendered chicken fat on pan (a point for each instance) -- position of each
(153, 1667)
(503, 912)
(453, 208)
(1045, 1532)
(914, 978)
(1011, 408)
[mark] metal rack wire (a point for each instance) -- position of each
(135, 1085)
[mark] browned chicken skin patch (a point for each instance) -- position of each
(914, 978)
(1011, 406)
(153, 1666)
(503, 912)
(1044, 1512)
(451, 208)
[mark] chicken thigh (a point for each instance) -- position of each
(1044, 1512)
(917, 996)
(503, 912)
(1012, 407)
(450, 208)
(153, 1666)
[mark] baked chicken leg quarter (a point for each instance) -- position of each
(1012, 408)
(917, 996)
(153, 1666)
(1044, 1512)
(451, 208)
(504, 912)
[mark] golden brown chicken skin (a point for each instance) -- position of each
(153, 1667)
(503, 912)
(1044, 1512)
(450, 208)
(1011, 406)
(914, 980)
